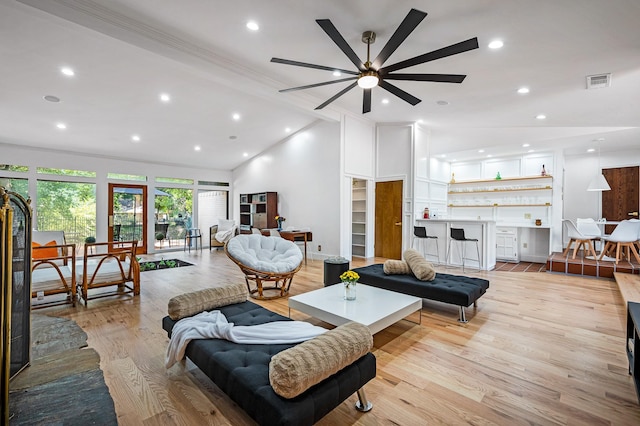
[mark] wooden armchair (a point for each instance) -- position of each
(106, 265)
(53, 269)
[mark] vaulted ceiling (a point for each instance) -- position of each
(126, 53)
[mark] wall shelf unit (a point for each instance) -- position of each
(358, 217)
(258, 210)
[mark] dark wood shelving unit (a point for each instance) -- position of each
(258, 210)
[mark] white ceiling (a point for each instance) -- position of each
(126, 52)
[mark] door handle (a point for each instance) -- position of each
(398, 223)
(633, 214)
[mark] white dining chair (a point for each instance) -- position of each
(578, 239)
(625, 236)
(589, 228)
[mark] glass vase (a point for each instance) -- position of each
(349, 290)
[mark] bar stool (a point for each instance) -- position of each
(420, 235)
(457, 234)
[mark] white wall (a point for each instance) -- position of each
(32, 157)
(304, 170)
(580, 170)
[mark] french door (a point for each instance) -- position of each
(128, 214)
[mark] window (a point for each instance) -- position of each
(174, 207)
(65, 172)
(20, 186)
(174, 180)
(121, 176)
(13, 168)
(68, 207)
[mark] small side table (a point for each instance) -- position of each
(633, 343)
(333, 268)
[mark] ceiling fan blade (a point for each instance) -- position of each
(366, 101)
(333, 33)
(337, 95)
(454, 49)
(440, 78)
(399, 92)
(410, 22)
(309, 86)
(307, 65)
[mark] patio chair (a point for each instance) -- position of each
(53, 269)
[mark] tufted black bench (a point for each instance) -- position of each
(242, 372)
(455, 289)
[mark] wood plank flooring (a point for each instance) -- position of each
(540, 348)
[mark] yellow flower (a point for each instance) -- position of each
(349, 276)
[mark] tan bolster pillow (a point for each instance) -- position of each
(396, 267)
(294, 370)
(421, 268)
(189, 304)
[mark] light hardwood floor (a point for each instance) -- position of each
(540, 348)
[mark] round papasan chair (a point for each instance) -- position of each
(265, 260)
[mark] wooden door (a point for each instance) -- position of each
(128, 214)
(388, 222)
(623, 201)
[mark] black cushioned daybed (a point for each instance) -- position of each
(455, 289)
(242, 372)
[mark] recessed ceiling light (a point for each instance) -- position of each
(253, 25)
(496, 44)
(61, 126)
(524, 145)
(591, 150)
(287, 129)
(135, 138)
(245, 154)
(489, 155)
(481, 150)
(442, 103)
(233, 137)
(69, 72)
(337, 73)
(541, 117)
(443, 155)
(523, 90)
(385, 101)
(51, 98)
(196, 148)
(531, 150)
(236, 116)
(164, 97)
(420, 120)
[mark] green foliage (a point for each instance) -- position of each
(65, 172)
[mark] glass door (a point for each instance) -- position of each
(127, 214)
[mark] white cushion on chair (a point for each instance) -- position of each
(269, 254)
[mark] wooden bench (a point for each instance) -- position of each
(629, 286)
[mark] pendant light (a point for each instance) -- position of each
(599, 183)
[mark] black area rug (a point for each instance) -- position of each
(154, 265)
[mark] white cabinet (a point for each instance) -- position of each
(358, 217)
(507, 244)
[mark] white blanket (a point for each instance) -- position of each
(214, 324)
(224, 236)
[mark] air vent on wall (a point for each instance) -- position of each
(598, 81)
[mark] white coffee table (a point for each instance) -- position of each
(374, 307)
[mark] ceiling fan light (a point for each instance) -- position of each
(368, 80)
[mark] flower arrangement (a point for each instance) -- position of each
(349, 277)
(279, 220)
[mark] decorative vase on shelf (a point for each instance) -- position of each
(498, 177)
(543, 172)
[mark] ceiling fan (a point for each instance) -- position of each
(371, 74)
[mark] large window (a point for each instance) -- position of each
(68, 207)
(173, 211)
